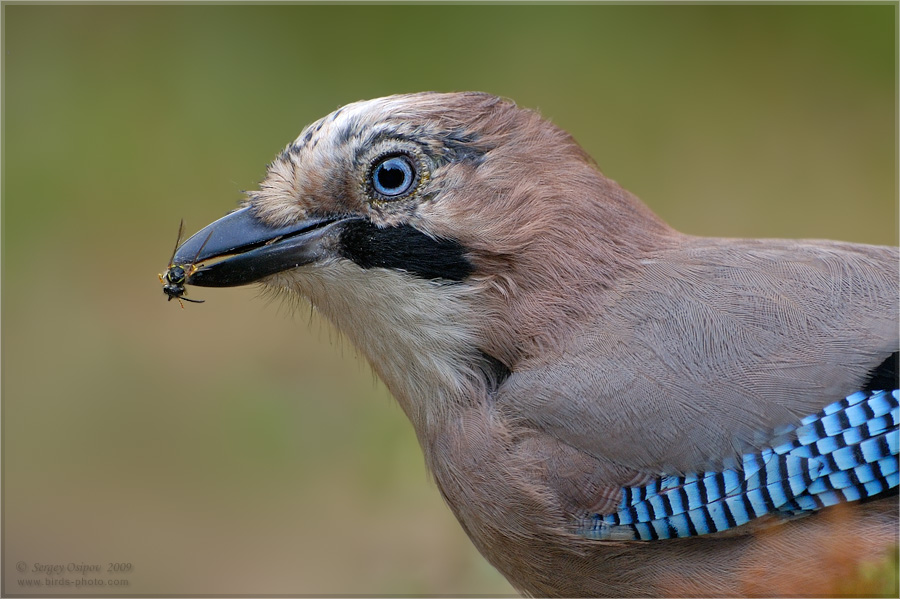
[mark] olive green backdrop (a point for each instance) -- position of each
(239, 447)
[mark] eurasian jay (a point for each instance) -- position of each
(609, 406)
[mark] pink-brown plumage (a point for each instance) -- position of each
(629, 351)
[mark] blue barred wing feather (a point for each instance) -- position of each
(846, 452)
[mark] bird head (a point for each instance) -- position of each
(445, 234)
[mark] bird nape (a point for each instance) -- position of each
(608, 406)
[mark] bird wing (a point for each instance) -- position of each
(847, 452)
(712, 354)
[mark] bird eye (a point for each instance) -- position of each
(393, 176)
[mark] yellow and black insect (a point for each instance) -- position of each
(177, 274)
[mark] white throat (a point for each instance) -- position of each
(419, 335)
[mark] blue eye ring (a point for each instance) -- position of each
(393, 176)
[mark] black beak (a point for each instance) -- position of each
(253, 250)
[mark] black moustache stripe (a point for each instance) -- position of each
(404, 248)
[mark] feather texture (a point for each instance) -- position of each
(608, 406)
(846, 452)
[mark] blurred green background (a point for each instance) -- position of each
(235, 447)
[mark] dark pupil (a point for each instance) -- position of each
(390, 177)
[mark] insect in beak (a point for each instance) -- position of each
(176, 275)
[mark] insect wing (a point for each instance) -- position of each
(177, 243)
